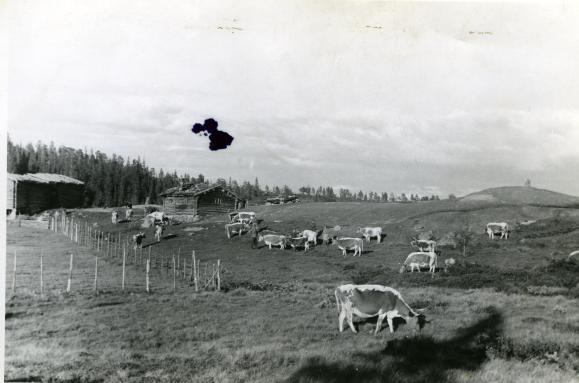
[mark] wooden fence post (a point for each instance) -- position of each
(179, 257)
(41, 280)
(96, 273)
(218, 276)
(174, 286)
(213, 275)
(69, 274)
(124, 256)
(14, 274)
(148, 266)
(194, 271)
(184, 268)
(98, 240)
(205, 275)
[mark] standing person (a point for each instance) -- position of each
(129, 212)
(253, 231)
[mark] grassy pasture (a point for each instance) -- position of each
(498, 316)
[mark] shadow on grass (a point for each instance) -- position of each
(417, 359)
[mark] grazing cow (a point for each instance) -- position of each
(115, 217)
(235, 228)
(299, 242)
(128, 214)
(311, 236)
(496, 228)
(572, 254)
(158, 232)
(448, 263)
(138, 240)
(345, 244)
(367, 301)
(157, 215)
(423, 259)
(370, 232)
(414, 265)
(424, 245)
(243, 216)
(274, 240)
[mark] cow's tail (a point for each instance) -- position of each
(410, 310)
(337, 294)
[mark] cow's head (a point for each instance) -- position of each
(402, 269)
(260, 237)
(417, 321)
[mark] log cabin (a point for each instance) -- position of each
(33, 193)
(201, 200)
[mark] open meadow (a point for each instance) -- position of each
(507, 312)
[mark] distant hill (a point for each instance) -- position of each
(522, 195)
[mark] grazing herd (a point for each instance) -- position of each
(364, 301)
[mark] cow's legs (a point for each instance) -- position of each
(379, 323)
(350, 317)
(390, 323)
(270, 246)
(341, 318)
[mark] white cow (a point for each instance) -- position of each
(274, 240)
(247, 217)
(496, 228)
(115, 217)
(421, 259)
(367, 301)
(235, 228)
(311, 236)
(344, 244)
(158, 232)
(370, 232)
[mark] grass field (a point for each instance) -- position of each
(506, 313)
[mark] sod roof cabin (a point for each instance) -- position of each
(200, 199)
(33, 193)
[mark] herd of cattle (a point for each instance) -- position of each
(425, 257)
(364, 301)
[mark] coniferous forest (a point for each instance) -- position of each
(115, 180)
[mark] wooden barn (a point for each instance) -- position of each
(200, 199)
(33, 193)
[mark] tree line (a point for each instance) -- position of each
(115, 180)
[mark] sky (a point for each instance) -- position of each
(428, 98)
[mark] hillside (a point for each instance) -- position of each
(522, 195)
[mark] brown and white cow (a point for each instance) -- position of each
(420, 259)
(498, 228)
(367, 301)
(138, 240)
(425, 245)
(345, 244)
(371, 232)
(299, 242)
(273, 240)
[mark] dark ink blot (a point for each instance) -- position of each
(217, 138)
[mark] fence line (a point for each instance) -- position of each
(89, 236)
